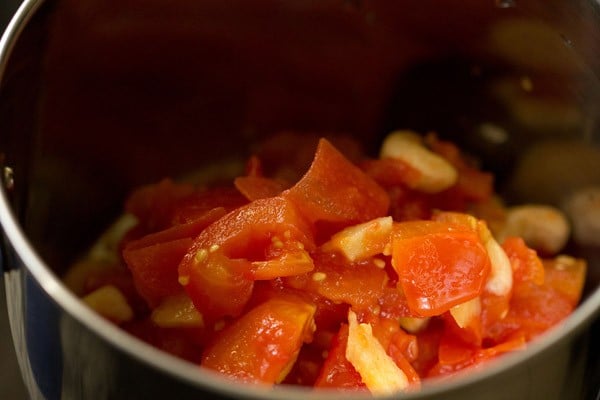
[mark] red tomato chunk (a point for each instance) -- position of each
(349, 278)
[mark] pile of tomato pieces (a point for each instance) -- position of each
(272, 269)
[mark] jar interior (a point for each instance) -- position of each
(100, 96)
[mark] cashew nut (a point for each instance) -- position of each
(414, 324)
(466, 312)
(377, 370)
(500, 280)
(177, 311)
(436, 174)
(544, 228)
(363, 240)
(583, 209)
(109, 302)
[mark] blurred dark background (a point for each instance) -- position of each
(11, 385)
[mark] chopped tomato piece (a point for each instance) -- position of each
(153, 259)
(428, 341)
(186, 343)
(441, 269)
(393, 303)
(526, 265)
(454, 351)
(473, 184)
(536, 308)
(187, 230)
(352, 278)
(166, 203)
(390, 172)
(337, 372)
(362, 285)
(263, 344)
(218, 269)
(204, 200)
(400, 346)
(218, 286)
(155, 204)
(289, 154)
(283, 259)
(399, 357)
(566, 275)
(494, 309)
(533, 310)
(307, 366)
(388, 332)
(249, 229)
(411, 229)
(154, 268)
(455, 356)
(258, 187)
(409, 205)
(335, 190)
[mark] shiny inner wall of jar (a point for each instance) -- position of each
(131, 94)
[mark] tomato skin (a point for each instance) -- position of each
(335, 190)
(440, 270)
(262, 345)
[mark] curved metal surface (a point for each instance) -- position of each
(91, 358)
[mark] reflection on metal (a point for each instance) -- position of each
(13, 282)
(568, 42)
(8, 178)
(506, 3)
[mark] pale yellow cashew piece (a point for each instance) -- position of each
(436, 174)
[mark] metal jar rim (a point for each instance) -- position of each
(52, 285)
